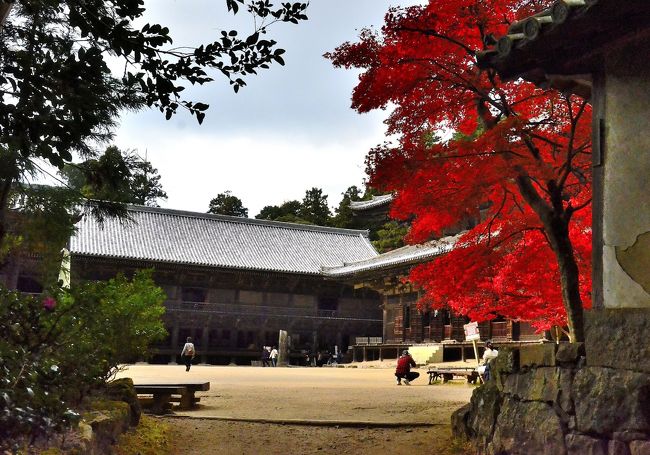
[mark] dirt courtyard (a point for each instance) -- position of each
(252, 410)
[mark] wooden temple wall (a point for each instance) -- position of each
(231, 315)
(442, 325)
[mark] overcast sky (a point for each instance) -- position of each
(289, 130)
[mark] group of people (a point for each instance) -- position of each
(404, 375)
(269, 356)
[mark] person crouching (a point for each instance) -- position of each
(403, 370)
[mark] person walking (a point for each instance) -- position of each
(274, 357)
(188, 353)
(403, 370)
(265, 356)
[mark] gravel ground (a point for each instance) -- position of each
(252, 410)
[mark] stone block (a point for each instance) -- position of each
(109, 423)
(541, 355)
(485, 405)
(640, 448)
(617, 448)
(536, 384)
(527, 428)
(609, 401)
(506, 362)
(123, 390)
(569, 353)
(618, 338)
(459, 426)
(578, 444)
(546, 384)
(629, 436)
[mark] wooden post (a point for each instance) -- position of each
(462, 353)
(478, 363)
(283, 348)
(174, 345)
(476, 352)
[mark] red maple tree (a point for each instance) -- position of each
(520, 153)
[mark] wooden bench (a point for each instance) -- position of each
(162, 394)
(447, 374)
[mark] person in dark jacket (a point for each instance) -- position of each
(403, 370)
(266, 355)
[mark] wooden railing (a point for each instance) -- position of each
(364, 341)
(259, 310)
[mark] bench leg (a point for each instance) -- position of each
(160, 402)
(187, 400)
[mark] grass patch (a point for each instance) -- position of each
(151, 437)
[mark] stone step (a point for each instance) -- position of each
(426, 354)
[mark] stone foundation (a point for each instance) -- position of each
(550, 399)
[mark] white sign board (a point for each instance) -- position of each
(471, 331)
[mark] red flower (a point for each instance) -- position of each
(49, 303)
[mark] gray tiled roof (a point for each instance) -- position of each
(407, 255)
(376, 201)
(163, 235)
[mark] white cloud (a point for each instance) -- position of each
(291, 129)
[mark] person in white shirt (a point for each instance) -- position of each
(274, 357)
(489, 354)
(188, 353)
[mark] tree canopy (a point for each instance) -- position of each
(120, 176)
(59, 98)
(314, 208)
(228, 204)
(520, 153)
(286, 212)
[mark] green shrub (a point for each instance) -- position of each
(56, 348)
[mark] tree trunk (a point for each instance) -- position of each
(5, 188)
(558, 234)
(556, 225)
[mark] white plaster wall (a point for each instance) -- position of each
(626, 210)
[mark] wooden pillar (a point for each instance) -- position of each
(354, 354)
(381, 354)
(205, 341)
(174, 345)
(365, 354)
(462, 353)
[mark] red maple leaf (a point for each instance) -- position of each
(468, 140)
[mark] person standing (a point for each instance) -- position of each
(274, 356)
(265, 356)
(188, 353)
(403, 370)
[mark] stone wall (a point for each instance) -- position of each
(546, 399)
